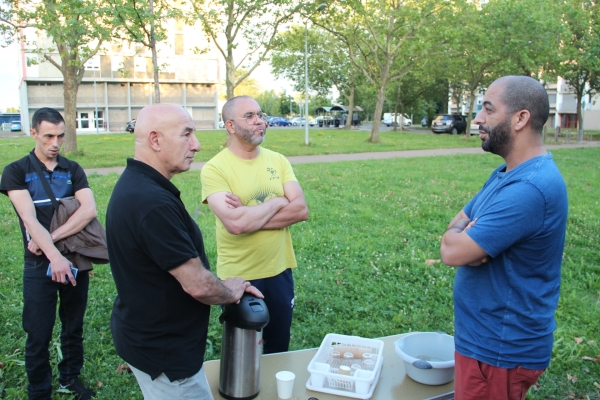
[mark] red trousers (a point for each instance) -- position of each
(475, 380)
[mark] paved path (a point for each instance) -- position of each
(368, 156)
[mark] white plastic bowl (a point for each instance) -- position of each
(428, 356)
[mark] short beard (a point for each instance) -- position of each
(247, 136)
(499, 140)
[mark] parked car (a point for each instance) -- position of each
(15, 126)
(424, 121)
(388, 119)
(279, 121)
(449, 123)
(130, 127)
(298, 121)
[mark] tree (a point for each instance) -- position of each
(408, 91)
(329, 63)
(503, 37)
(385, 40)
(228, 22)
(581, 50)
(142, 21)
(249, 87)
(77, 29)
(269, 102)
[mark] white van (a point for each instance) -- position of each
(388, 119)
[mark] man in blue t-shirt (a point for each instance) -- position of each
(508, 242)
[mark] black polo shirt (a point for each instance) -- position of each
(67, 178)
(156, 326)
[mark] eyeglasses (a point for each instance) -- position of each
(252, 117)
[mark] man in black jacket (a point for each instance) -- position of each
(40, 293)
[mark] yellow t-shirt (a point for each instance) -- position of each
(260, 254)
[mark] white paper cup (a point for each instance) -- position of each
(285, 384)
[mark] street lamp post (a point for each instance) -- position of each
(320, 8)
(91, 64)
(95, 103)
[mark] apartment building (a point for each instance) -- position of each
(563, 107)
(118, 82)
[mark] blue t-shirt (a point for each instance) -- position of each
(504, 309)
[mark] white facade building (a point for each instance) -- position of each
(118, 82)
(563, 107)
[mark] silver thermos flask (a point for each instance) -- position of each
(242, 347)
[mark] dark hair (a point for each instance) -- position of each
(227, 111)
(526, 93)
(46, 114)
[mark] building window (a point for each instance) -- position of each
(116, 63)
(568, 121)
(178, 44)
(99, 119)
(139, 64)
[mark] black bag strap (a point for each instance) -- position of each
(49, 192)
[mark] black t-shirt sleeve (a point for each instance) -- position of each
(166, 238)
(13, 178)
(79, 178)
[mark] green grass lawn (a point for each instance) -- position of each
(110, 150)
(368, 260)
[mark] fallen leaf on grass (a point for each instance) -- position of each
(597, 385)
(123, 368)
(595, 359)
(572, 378)
(99, 384)
(1, 365)
(431, 262)
(578, 340)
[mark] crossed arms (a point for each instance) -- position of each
(457, 247)
(42, 241)
(275, 213)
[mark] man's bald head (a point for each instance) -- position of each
(164, 138)
(228, 111)
(525, 93)
(157, 117)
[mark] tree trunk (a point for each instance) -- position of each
(155, 68)
(70, 89)
(471, 106)
(394, 117)
(154, 56)
(72, 76)
(374, 138)
(402, 116)
(350, 98)
(230, 74)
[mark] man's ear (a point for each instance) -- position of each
(154, 140)
(229, 126)
(522, 119)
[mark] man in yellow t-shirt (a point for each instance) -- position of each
(255, 196)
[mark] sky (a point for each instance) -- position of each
(9, 77)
